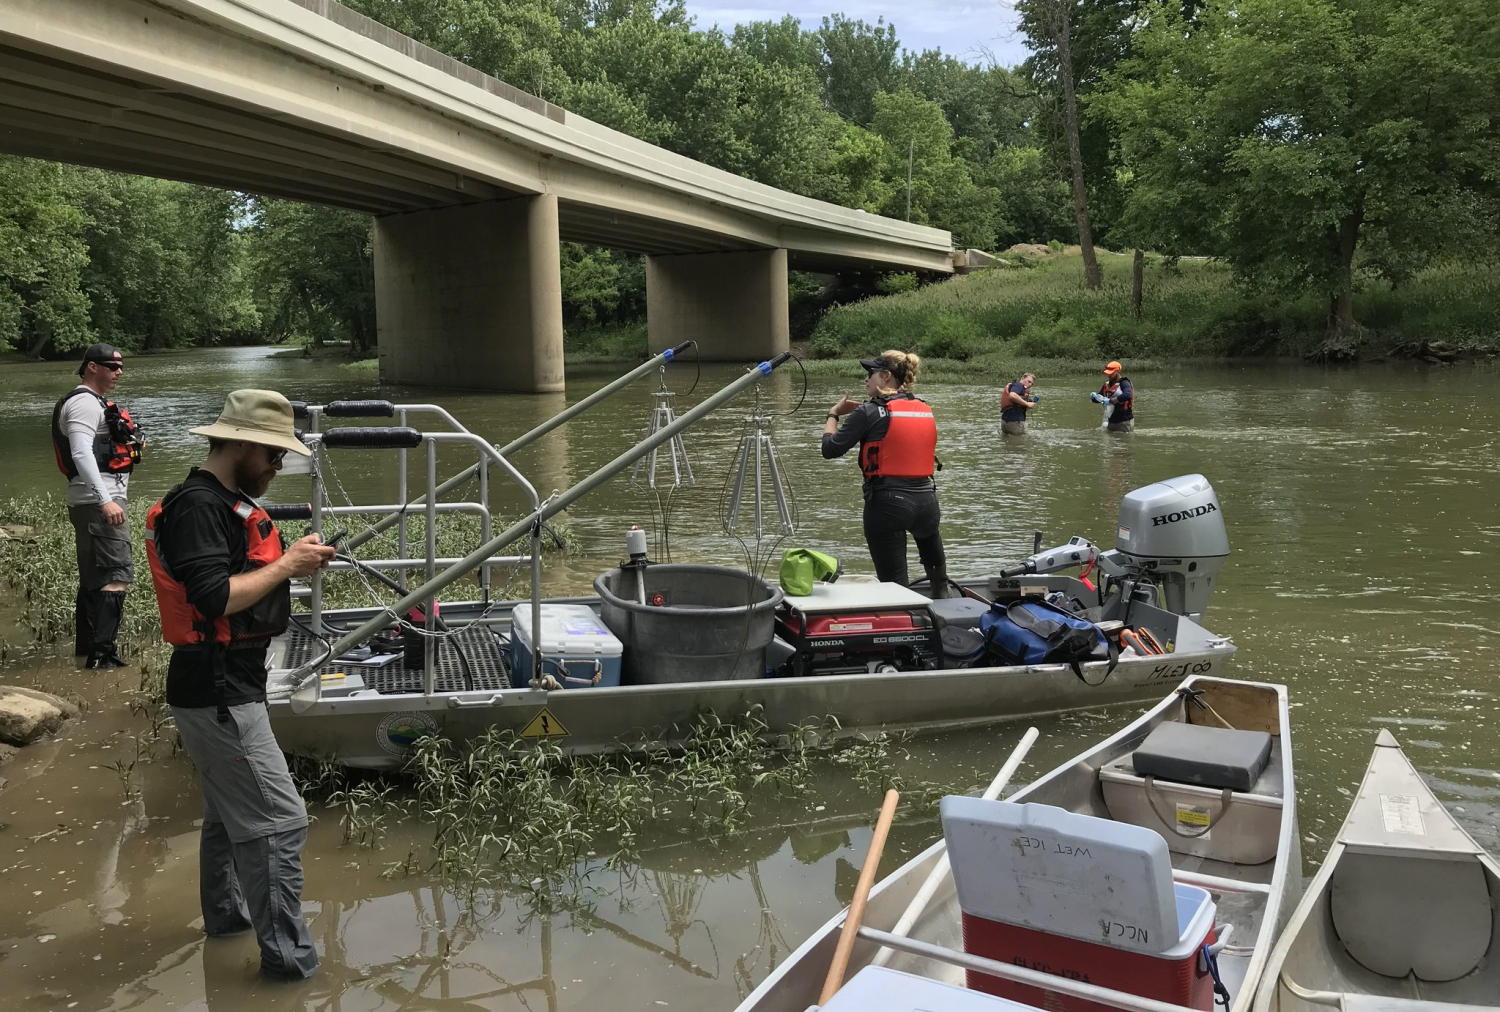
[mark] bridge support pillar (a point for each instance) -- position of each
(733, 304)
(471, 296)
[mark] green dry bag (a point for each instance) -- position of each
(802, 567)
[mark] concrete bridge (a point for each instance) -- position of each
(473, 183)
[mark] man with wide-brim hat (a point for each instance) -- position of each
(222, 574)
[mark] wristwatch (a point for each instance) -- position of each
(833, 416)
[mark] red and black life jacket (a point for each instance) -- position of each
(1125, 407)
(116, 452)
(182, 625)
(909, 447)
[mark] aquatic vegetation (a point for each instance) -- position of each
(520, 816)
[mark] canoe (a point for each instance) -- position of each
(1404, 914)
(374, 726)
(1250, 899)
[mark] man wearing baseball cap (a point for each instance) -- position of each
(222, 576)
(1118, 391)
(97, 445)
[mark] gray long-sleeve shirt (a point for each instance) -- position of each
(82, 421)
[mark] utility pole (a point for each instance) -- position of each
(911, 147)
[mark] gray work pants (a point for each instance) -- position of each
(1013, 428)
(254, 826)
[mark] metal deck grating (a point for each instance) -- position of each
(480, 646)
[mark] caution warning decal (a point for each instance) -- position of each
(544, 725)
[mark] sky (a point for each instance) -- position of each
(957, 27)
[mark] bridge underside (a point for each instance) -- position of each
(267, 98)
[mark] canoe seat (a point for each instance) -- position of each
(1432, 917)
(1380, 1003)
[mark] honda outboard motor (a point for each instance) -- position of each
(1172, 533)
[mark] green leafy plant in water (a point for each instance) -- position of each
(522, 817)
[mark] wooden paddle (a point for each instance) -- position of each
(840, 964)
(939, 871)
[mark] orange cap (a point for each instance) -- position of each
(1112, 367)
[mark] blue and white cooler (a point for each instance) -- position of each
(577, 649)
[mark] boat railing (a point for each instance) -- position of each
(307, 685)
(396, 518)
(403, 439)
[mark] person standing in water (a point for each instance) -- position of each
(223, 587)
(897, 438)
(1117, 390)
(1015, 400)
(97, 445)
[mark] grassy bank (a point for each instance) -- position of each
(607, 344)
(1034, 311)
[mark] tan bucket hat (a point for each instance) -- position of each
(257, 416)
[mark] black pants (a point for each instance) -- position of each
(889, 515)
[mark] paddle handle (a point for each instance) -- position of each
(840, 964)
(939, 872)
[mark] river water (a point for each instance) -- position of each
(1361, 512)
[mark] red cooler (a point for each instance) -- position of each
(1079, 897)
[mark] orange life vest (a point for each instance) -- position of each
(116, 453)
(1122, 407)
(182, 625)
(909, 447)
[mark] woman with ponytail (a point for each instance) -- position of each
(897, 438)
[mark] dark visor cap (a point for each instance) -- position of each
(876, 364)
(99, 352)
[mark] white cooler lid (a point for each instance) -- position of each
(1061, 872)
(850, 595)
(567, 629)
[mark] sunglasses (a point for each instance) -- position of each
(112, 366)
(275, 456)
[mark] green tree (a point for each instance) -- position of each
(858, 61)
(590, 283)
(42, 260)
(165, 268)
(942, 186)
(514, 40)
(1288, 135)
(1037, 202)
(314, 271)
(781, 42)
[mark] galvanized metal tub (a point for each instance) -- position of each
(709, 623)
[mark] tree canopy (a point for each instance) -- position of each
(1304, 141)
(1308, 143)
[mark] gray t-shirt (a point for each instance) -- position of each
(82, 421)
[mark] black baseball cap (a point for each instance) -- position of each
(896, 369)
(99, 352)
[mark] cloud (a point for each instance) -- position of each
(964, 30)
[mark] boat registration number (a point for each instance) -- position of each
(1180, 670)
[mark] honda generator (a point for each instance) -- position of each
(850, 628)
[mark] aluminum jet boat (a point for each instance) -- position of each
(660, 646)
